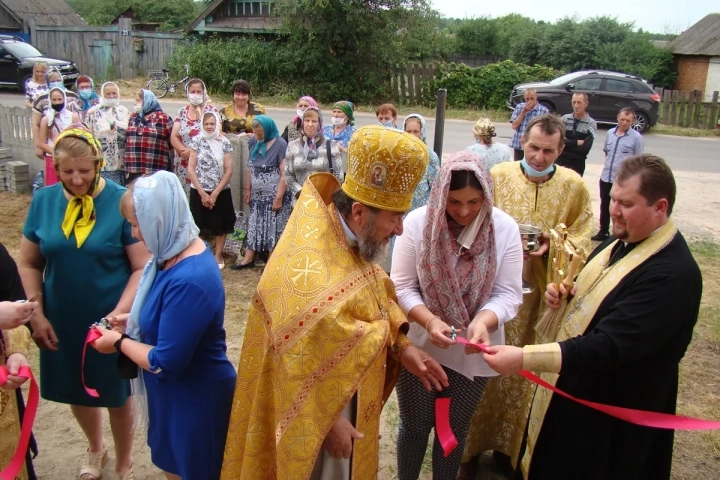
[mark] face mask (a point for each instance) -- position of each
(196, 99)
(59, 107)
(534, 173)
(138, 107)
(110, 102)
(387, 124)
(85, 94)
(299, 112)
(55, 85)
(338, 121)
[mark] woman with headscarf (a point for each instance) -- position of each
(414, 124)
(108, 122)
(78, 251)
(490, 151)
(265, 190)
(58, 118)
(209, 171)
(147, 140)
(293, 130)
(41, 105)
(457, 269)
(37, 85)
(238, 116)
(342, 127)
(311, 153)
(188, 125)
(88, 98)
(175, 334)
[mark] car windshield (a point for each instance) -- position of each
(566, 78)
(22, 50)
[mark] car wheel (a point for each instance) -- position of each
(547, 105)
(641, 123)
(22, 81)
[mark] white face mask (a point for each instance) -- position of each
(196, 98)
(138, 107)
(110, 102)
(337, 121)
(299, 112)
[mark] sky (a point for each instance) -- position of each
(659, 16)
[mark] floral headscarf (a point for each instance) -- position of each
(80, 212)
(457, 289)
(308, 99)
(213, 139)
(347, 108)
(310, 144)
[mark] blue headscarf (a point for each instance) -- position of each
(167, 228)
(86, 104)
(271, 132)
(150, 104)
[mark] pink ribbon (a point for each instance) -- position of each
(442, 426)
(637, 417)
(18, 459)
(92, 335)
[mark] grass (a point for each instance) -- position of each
(684, 132)
(697, 454)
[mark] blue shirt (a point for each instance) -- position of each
(617, 148)
(535, 112)
(342, 137)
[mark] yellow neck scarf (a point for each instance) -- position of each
(80, 211)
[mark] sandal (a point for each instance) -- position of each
(129, 475)
(94, 464)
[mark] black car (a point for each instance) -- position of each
(607, 92)
(17, 59)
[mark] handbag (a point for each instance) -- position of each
(235, 242)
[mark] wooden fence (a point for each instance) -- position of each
(106, 52)
(410, 83)
(685, 108)
(16, 134)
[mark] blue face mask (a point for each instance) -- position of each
(534, 173)
(55, 85)
(85, 94)
(387, 124)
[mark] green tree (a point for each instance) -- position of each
(478, 36)
(170, 14)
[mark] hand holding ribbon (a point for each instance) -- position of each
(18, 459)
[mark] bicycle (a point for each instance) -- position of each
(160, 83)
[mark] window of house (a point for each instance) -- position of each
(249, 8)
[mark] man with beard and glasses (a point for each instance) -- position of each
(325, 337)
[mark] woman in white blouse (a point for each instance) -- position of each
(457, 269)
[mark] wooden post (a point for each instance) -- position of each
(418, 84)
(713, 111)
(698, 106)
(705, 113)
(688, 108)
(673, 107)
(411, 83)
(31, 29)
(667, 96)
(681, 108)
(402, 70)
(123, 52)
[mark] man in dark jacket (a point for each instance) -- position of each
(580, 131)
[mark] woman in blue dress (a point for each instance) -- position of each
(175, 334)
(414, 124)
(265, 190)
(78, 251)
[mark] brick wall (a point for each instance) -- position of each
(692, 72)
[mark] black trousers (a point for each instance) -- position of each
(519, 154)
(605, 206)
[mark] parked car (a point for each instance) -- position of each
(17, 59)
(607, 92)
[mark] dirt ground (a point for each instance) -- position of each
(697, 454)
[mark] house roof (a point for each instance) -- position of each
(703, 38)
(248, 24)
(44, 12)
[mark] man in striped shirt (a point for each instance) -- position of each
(580, 131)
(522, 115)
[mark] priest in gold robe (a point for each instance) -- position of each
(621, 340)
(325, 337)
(535, 192)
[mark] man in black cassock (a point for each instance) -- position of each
(621, 339)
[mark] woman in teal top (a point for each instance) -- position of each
(78, 251)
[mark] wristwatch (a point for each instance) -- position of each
(119, 341)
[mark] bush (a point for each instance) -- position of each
(486, 87)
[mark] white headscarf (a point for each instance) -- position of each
(65, 114)
(213, 139)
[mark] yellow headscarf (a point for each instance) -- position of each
(80, 212)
